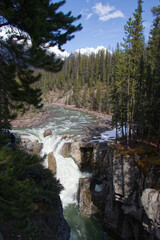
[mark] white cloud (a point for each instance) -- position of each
(89, 15)
(102, 10)
(85, 12)
(106, 12)
(115, 14)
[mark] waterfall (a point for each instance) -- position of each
(68, 173)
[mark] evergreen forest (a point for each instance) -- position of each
(124, 82)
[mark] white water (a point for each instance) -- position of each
(69, 174)
(67, 122)
(67, 171)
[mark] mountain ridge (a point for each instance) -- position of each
(83, 51)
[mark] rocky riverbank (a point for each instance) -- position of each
(35, 119)
(30, 119)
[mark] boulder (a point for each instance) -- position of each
(52, 163)
(66, 150)
(151, 203)
(47, 132)
(31, 146)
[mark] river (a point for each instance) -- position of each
(65, 122)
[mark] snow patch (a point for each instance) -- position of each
(90, 50)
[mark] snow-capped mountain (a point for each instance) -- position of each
(58, 52)
(89, 50)
(5, 32)
(84, 51)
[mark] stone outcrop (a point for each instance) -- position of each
(86, 206)
(81, 152)
(31, 146)
(151, 203)
(119, 192)
(52, 163)
(72, 149)
(47, 132)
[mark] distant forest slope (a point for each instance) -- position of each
(125, 83)
(84, 81)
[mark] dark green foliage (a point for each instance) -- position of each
(49, 187)
(4, 139)
(23, 183)
(84, 98)
(40, 20)
(97, 99)
(154, 62)
(33, 27)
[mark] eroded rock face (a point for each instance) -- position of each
(86, 206)
(81, 152)
(116, 190)
(31, 146)
(125, 174)
(47, 132)
(151, 203)
(52, 163)
(75, 152)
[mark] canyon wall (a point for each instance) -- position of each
(120, 193)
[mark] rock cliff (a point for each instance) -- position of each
(120, 193)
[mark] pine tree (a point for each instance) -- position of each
(91, 68)
(97, 98)
(138, 50)
(84, 98)
(128, 64)
(33, 27)
(154, 60)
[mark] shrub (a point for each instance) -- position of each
(23, 183)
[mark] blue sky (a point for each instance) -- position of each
(103, 21)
